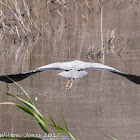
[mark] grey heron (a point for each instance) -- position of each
(71, 70)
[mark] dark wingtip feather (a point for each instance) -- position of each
(133, 78)
(16, 77)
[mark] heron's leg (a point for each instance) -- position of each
(67, 84)
(7, 87)
(71, 83)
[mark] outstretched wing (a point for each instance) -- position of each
(21, 76)
(98, 66)
(16, 77)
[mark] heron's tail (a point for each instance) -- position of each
(17, 77)
(133, 78)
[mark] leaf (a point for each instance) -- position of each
(25, 102)
(7, 103)
(41, 123)
(113, 138)
(71, 137)
(22, 90)
(55, 125)
(65, 122)
(27, 110)
(32, 110)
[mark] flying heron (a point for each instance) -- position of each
(71, 70)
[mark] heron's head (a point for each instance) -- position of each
(73, 73)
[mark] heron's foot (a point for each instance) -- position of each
(69, 85)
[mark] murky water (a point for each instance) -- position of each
(54, 31)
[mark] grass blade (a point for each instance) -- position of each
(71, 137)
(7, 103)
(41, 123)
(29, 105)
(22, 90)
(65, 125)
(56, 126)
(29, 111)
(110, 137)
(65, 122)
(25, 102)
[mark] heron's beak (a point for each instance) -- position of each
(69, 84)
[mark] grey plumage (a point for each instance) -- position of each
(72, 69)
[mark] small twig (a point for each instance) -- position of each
(102, 40)
(35, 25)
(84, 17)
(120, 51)
(61, 15)
(17, 31)
(19, 17)
(47, 3)
(63, 3)
(28, 12)
(35, 10)
(87, 5)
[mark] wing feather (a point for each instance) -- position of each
(21, 76)
(69, 65)
(53, 66)
(16, 77)
(97, 66)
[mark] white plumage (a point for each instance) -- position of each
(73, 73)
(72, 69)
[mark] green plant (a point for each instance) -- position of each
(31, 109)
(110, 137)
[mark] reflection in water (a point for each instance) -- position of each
(55, 31)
